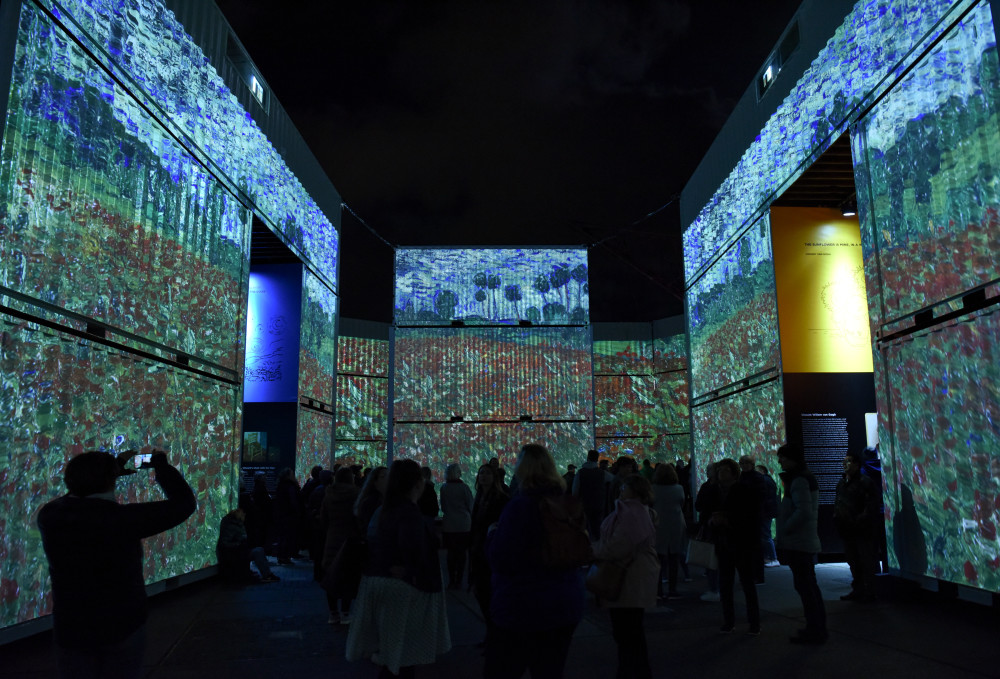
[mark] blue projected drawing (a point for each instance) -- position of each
(544, 286)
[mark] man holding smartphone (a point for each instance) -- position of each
(94, 549)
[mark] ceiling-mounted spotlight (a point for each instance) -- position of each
(849, 208)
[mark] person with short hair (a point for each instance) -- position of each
(736, 529)
(94, 548)
(856, 512)
(671, 530)
(798, 539)
(591, 484)
(456, 523)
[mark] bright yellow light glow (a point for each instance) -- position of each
(822, 306)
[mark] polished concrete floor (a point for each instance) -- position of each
(280, 630)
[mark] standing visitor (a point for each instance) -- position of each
(535, 607)
(856, 512)
(456, 522)
(628, 537)
(94, 548)
(486, 509)
(706, 503)
(401, 619)
(340, 527)
(736, 530)
(287, 516)
(590, 484)
(671, 528)
(798, 539)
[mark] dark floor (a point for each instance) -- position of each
(280, 630)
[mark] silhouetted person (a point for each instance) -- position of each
(428, 502)
(798, 539)
(264, 505)
(287, 516)
(591, 484)
(234, 552)
(908, 541)
(94, 549)
(855, 513)
(736, 528)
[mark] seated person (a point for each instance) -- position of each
(234, 553)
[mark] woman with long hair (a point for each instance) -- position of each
(534, 607)
(628, 538)
(340, 526)
(370, 497)
(401, 619)
(490, 500)
(672, 528)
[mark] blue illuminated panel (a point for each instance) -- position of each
(272, 358)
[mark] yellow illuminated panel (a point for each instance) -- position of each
(822, 307)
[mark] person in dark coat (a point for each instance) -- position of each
(592, 485)
(798, 539)
(264, 513)
(287, 516)
(94, 549)
(428, 502)
(736, 530)
(401, 616)
(534, 607)
(856, 512)
(340, 526)
(706, 503)
(370, 499)
(489, 503)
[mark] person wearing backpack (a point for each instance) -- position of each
(537, 602)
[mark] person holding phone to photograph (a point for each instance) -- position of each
(94, 548)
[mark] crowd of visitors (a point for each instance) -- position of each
(374, 537)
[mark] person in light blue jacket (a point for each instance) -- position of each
(798, 539)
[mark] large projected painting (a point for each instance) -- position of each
(732, 314)
(103, 214)
(749, 422)
(472, 444)
(435, 286)
(929, 175)
(641, 398)
(317, 339)
(61, 396)
(150, 50)
(875, 39)
(314, 442)
(492, 373)
(362, 401)
(943, 503)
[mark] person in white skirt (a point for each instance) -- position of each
(400, 618)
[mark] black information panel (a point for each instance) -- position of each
(826, 413)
